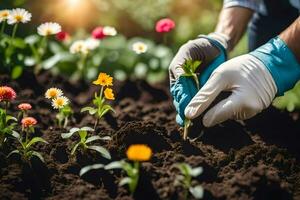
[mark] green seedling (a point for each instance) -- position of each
(185, 180)
(7, 125)
(84, 142)
(190, 67)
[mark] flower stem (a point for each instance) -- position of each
(187, 124)
(2, 28)
(14, 32)
(135, 178)
(197, 81)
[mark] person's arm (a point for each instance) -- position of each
(291, 36)
(232, 23)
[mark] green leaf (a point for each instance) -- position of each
(82, 135)
(67, 135)
(16, 72)
(86, 128)
(101, 150)
(54, 60)
(32, 39)
(8, 118)
(92, 138)
(115, 165)
(196, 171)
(197, 191)
(106, 138)
(35, 140)
(16, 134)
(38, 155)
(75, 148)
(91, 110)
(13, 152)
(124, 181)
(90, 167)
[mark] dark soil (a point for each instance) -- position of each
(255, 160)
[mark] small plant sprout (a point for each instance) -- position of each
(7, 122)
(25, 149)
(136, 153)
(85, 141)
(23, 107)
(60, 103)
(190, 67)
(185, 180)
(106, 93)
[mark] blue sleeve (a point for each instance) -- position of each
(251, 4)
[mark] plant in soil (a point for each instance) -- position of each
(25, 148)
(62, 104)
(24, 108)
(190, 67)
(7, 122)
(99, 101)
(184, 180)
(136, 153)
(84, 142)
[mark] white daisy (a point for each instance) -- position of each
(60, 102)
(49, 28)
(52, 93)
(79, 46)
(92, 43)
(139, 47)
(110, 31)
(4, 15)
(19, 15)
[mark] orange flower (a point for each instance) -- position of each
(139, 152)
(7, 94)
(108, 93)
(28, 122)
(104, 80)
(24, 106)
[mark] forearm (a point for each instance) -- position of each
(291, 36)
(232, 23)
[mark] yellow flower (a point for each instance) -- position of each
(108, 93)
(139, 152)
(104, 80)
(53, 93)
(60, 102)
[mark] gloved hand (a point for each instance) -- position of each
(254, 79)
(211, 51)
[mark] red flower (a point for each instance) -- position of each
(164, 25)
(24, 106)
(28, 122)
(7, 93)
(98, 33)
(62, 36)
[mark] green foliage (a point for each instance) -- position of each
(7, 126)
(85, 141)
(131, 170)
(290, 101)
(184, 179)
(63, 116)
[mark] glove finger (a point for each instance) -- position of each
(205, 96)
(221, 112)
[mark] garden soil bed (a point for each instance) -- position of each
(255, 160)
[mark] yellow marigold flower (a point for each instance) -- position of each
(139, 152)
(104, 80)
(53, 93)
(60, 102)
(108, 93)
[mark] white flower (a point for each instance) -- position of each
(18, 15)
(79, 46)
(139, 47)
(4, 15)
(92, 43)
(60, 102)
(110, 31)
(49, 28)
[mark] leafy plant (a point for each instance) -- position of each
(7, 125)
(85, 141)
(101, 108)
(136, 153)
(185, 180)
(25, 149)
(190, 67)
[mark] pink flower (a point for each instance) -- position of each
(7, 93)
(24, 106)
(98, 33)
(28, 122)
(164, 25)
(62, 36)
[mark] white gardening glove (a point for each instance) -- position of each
(252, 87)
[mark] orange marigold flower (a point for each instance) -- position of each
(7, 93)
(139, 152)
(24, 106)
(28, 122)
(104, 80)
(108, 93)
